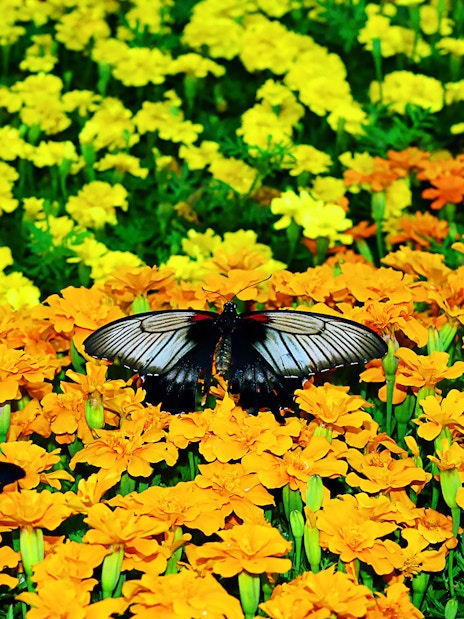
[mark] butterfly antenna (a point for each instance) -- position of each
(251, 285)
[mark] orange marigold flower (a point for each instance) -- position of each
(334, 409)
(8, 559)
(441, 413)
(94, 381)
(72, 595)
(242, 491)
(251, 548)
(418, 371)
(80, 308)
(35, 460)
(90, 490)
(446, 189)
(393, 604)
(182, 505)
(449, 457)
(419, 264)
(125, 284)
(414, 559)
(420, 229)
(135, 532)
(65, 413)
(383, 173)
(184, 595)
(69, 559)
(378, 472)
(297, 466)
(349, 532)
(435, 527)
(232, 435)
(125, 449)
(313, 596)
(21, 372)
(29, 508)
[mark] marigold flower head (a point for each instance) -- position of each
(253, 548)
(349, 532)
(29, 508)
(441, 413)
(325, 594)
(414, 559)
(184, 595)
(400, 88)
(396, 602)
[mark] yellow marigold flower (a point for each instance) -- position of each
(304, 158)
(251, 548)
(139, 66)
(441, 413)
(184, 595)
(348, 115)
(76, 28)
(47, 154)
(40, 56)
(84, 101)
(325, 594)
(95, 204)
(35, 461)
(150, 15)
(329, 189)
(396, 602)
(199, 157)
(450, 45)
(123, 164)
(101, 267)
(17, 291)
(201, 244)
(195, 65)
(259, 51)
(12, 144)
(241, 177)
(320, 79)
(348, 530)
(394, 40)
(217, 27)
(8, 175)
(402, 87)
(110, 127)
(433, 21)
(59, 227)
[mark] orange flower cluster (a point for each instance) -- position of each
(176, 502)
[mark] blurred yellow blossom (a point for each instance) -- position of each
(95, 204)
(400, 88)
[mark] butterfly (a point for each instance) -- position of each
(265, 354)
(10, 472)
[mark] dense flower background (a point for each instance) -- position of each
(298, 154)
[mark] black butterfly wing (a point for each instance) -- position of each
(168, 349)
(10, 472)
(274, 351)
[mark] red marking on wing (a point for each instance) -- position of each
(258, 317)
(200, 316)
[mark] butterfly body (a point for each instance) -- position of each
(266, 355)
